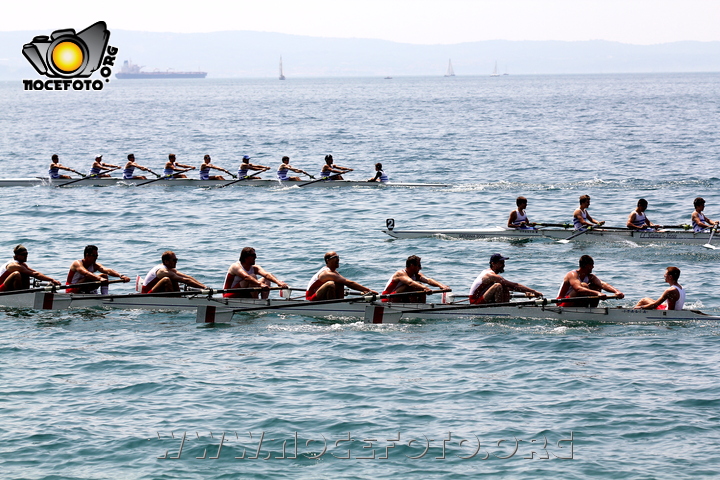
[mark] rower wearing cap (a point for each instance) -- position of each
(244, 274)
(205, 170)
(171, 166)
(285, 167)
(518, 219)
(380, 175)
(55, 167)
(166, 278)
(581, 218)
(98, 167)
(88, 270)
(245, 166)
(700, 222)
(638, 220)
(332, 171)
(582, 283)
(327, 284)
(410, 281)
(129, 170)
(490, 287)
(15, 274)
(671, 299)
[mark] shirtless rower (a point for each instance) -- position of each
(99, 168)
(380, 175)
(88, 270)
(245, 165)
(327, 284)
(205, 170)
(332, 171)
(129, 170)
(672, 299)
(285, 167)
(171, 166)
(244, 274)
(582, 283)
(700, 222)
(15, 274)
(638, 220)
(581, 218)
(490, 287)
(166, 278)
(518, 219)
(410, 281)
(55, 167)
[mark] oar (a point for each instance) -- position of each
(241, 179)
(53, 288)
(363, 298)
(712, 232)
(323, 179)
(563, 225)
(162, 177)
(539, 303)
(567, 240)
(684, 227)
(95, 175)
(391, 295)
(182, 293)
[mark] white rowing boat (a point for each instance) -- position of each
(210, 309)
(554, 233)
(195, 182)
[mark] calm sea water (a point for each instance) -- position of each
(103, 394)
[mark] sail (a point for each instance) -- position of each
(450, 71)
(282, 77)
(495, 74)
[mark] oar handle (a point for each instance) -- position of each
(322, 179)
(416, 292)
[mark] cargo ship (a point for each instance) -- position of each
(131, 71)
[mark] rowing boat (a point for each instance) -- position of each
(194, 182)
(210, 309)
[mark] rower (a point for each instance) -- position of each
(327, 284)
(285, 167)
(672, 299)
(98, 167)
(205, 170)
(55, 167)
(638, 220)
(129, 170)
(171, 166)
(380, 175)
(581, 218)
(411, 280)
(331, 171)
(166, 278)
(700, 222)
(245, 165)
(86, 270)
(518, 220)
(244, 274)
(15, 274)
(582, 283)
(490, 287)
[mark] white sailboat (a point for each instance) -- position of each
(495, 74)
(450, 71)
(282, 77)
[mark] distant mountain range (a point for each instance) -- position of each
(256, 54)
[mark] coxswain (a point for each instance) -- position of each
(245, 166)
(409, 280)
(99, 168)
(518, 219)
(166, 278)
(205, 170)
(15, 274)
(55, 167)
(171, 166)
(700, 222)
(582, 283)
(129, 170)
(327, 284)
(581, 218)
(285, 167)
(672, 299)
(244, 274)
(638, 220)
(331, 171)
(380, 175)
(88, 270)
(490, 287)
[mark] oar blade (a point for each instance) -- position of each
(711, 247)
(564, 240)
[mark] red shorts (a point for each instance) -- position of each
(145, 289)
(3, 287)
(72, 290)
(311, 298)
(662, 306)
(477, 301)
(564, 304)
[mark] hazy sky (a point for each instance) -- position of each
(409, 21)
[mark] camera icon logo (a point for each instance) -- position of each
(66, 54)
